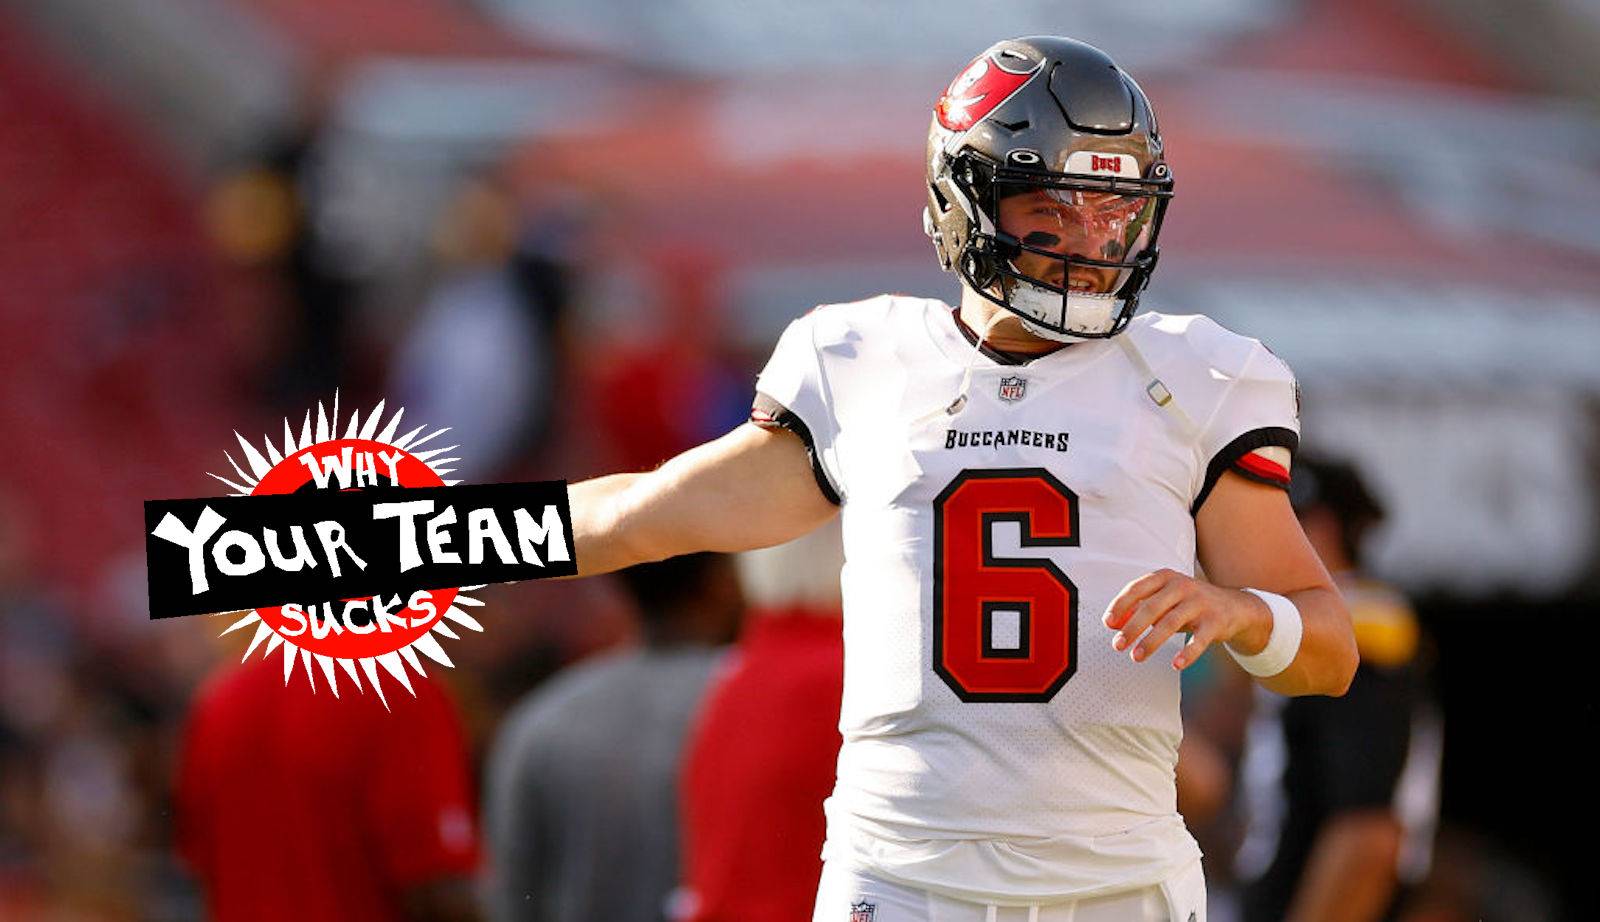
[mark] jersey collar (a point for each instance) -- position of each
(999, 356)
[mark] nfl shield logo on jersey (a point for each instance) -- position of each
(1011, 388)
(862, 912)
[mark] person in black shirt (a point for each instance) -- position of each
(1340, 794)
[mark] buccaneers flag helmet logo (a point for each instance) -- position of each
(977, 91)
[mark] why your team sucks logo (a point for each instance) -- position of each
(348, 547)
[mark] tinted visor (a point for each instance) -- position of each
(1093, 227)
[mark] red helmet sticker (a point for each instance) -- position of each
(977, 91)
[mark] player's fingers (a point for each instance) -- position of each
(1199, 642)
(1183, 614)
(1134, 593)
(1151, 611)
(1202, 629)
(1203, 632)
(1131, 595)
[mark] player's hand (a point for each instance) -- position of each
(1152, 608)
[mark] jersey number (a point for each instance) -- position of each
(1004, 628)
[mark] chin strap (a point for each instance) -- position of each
(955, 406)
(1159, 394)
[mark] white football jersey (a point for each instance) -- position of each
(996, 747)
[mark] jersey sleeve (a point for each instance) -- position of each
(791, 394)
(1254, 429)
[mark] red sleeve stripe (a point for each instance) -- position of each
(1262, 468)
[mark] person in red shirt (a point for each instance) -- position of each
(761, 757)
(295, 804)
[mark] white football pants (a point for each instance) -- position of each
(846, 894)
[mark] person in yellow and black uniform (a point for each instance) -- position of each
(1341, 794)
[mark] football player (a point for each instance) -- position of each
(1030, 485)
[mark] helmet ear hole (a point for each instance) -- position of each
(977, 268)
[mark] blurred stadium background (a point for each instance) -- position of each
(516, 217)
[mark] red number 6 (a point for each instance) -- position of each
(1004, 629)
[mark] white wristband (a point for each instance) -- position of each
(1282, 644)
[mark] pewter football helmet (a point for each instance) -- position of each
(1054, 125)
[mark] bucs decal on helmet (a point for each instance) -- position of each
(979, 90)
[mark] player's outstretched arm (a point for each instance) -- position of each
(1247, 536)
(751, 488)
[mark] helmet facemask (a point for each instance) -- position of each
(1067, 254)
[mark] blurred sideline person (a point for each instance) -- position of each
(481, 351)
(264, 216)
(762, 754)
(679, 384)
(1342, 795)
(581, 802)
(1025, 484)
(295, 804)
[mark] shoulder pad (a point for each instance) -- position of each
(1227, 352)
(849, 320)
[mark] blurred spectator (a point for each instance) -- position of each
(1218, 697)
(761, 758)
(69, 810)
(292, 803)
(263, 216)
(554, 246)
(540, 627)
(1342, 793)
(581, 803)
(253, 214)
(480, 358)
(671, 383)
(1204, 780)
